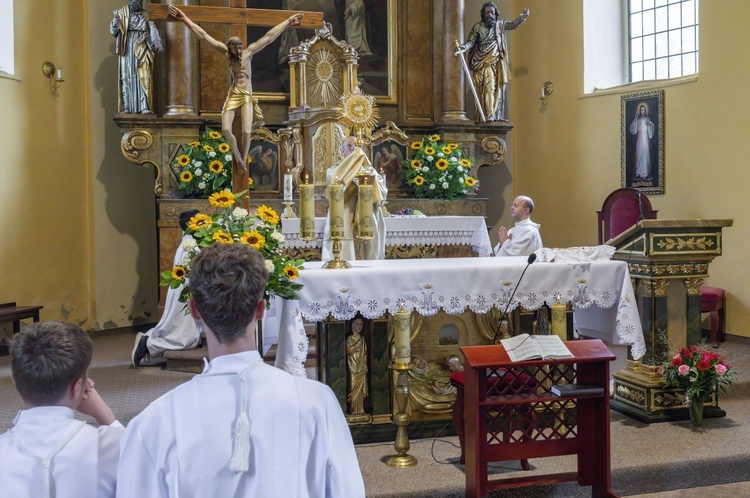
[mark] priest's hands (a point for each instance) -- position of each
(504, 235)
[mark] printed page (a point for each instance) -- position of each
(552, 346)
(521, 347)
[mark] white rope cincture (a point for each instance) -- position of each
(240, 461)
(47, 462)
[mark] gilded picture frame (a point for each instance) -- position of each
(642, 141)
(377, 50)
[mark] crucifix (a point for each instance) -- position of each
(240, 95)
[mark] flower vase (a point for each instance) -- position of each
(696, 410)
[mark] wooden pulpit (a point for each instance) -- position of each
(668, 260)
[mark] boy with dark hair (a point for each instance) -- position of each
(48, 452)
(241, 428)
(176, 330)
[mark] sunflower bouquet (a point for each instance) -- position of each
(205, 166)
(438, 170)
(235, 225)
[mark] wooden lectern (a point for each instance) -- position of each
(668, 260)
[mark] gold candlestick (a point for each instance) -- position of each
(401, 363)
(336, 225)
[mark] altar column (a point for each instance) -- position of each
(454, 107)
(182, 67)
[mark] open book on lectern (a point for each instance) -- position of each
(531, 347)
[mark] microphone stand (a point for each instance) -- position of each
(503, 324)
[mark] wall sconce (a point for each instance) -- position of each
(55, 77)
(547, 90)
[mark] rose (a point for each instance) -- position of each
(703, 365)
(683, 369)
(239, 212)
(676, 361)
(269, 266)
(721, 369)
(278, 237)
(189, 245)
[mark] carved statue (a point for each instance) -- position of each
(488, 59)
(240, 94)
(356, 360)
(430, 389)
(137, 41)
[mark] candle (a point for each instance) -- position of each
(59, 73)
(288, 186)
(366, 222)
(307, 211)
(560, 321)
(336, 209)
(402, 333)
(543, 92)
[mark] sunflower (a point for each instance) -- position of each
(178, 272)
(446, 149)
(186, 177)
(208, 148)
(442, 164)
(194, 144)
(198, 221)
(416, 145)
(453, 145)
(224, 148)
(268, 215)
(223, 237)
(215, 135)
(250, 181)
(416, 163)
(465, 163)
(418, 180)
(222, 199)
(435, 137)
(183, 160)
(249, 160)
(429, 151)
(291, 272)
(216, 166)
(470, 182)
(253, 239)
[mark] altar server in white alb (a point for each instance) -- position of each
(48, 453)
(523, 239)
(241, 428)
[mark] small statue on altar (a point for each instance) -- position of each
(488, 59)
(137, 41)
(355, 161)
(240, 94)
(356, 360)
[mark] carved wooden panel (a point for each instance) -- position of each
(417, 97)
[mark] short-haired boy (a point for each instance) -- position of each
(48, 452)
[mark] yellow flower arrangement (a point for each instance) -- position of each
(209, 171)
(416, 145)
(235, 225)
(437, 170)
(183, 160)
(214, 135)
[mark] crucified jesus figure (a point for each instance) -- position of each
(240, 94)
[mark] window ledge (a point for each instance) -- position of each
(9, 76)
(641, 86)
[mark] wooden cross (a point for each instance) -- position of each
(238, 17)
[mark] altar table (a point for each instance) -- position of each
(403, 231)
(601, 294)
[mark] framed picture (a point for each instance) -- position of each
(367, 25)
(388, 158)
(642, 141)
(264, 167)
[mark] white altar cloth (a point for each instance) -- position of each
(399, 231)
(601, 294)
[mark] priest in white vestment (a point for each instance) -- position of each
(355, 160)
(523, 239)
(242, 427)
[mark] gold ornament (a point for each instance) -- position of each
(358, 112)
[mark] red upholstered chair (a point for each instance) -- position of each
(621, 210)
(512, 382)
(714, 302)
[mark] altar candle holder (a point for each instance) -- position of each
(307, 211)
(288, 196)
(560, 320)
(336, 225)
(401, 363)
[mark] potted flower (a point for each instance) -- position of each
(699, 372)
(235, 225)
(438, 170)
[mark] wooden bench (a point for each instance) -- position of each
(9, 312)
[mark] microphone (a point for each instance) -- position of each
(504, 316)
(640, 206)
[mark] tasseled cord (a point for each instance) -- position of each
(241, 456)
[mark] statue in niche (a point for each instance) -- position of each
(488, 59)
(356, 360)
(240, 94)
(137, 39)
(430, 389)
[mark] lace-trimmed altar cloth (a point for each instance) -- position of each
(600, 291)
(401, 231)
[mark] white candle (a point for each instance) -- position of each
(543, 92)
(59, 73)
(402, 333)
(307, 211)
(336, 209)
(288, 187)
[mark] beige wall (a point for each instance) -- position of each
(568, 155)
(78, 233)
